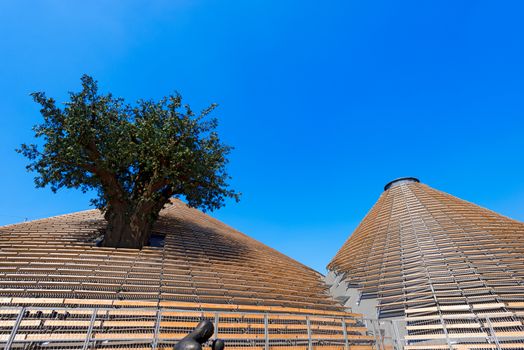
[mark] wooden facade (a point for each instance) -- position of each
(441, 264)
(58, 288)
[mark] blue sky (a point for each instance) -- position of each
(325, 102)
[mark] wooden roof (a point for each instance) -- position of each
(424, 253)
(204, 265)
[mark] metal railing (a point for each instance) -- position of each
(104, 328)
(111, 328)
(458, 332)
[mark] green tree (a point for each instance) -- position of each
(135, 156)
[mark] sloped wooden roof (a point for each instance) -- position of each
(204, 264)
(424, 253)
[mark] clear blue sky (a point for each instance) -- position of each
(325, 101)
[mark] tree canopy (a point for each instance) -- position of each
(136, 157)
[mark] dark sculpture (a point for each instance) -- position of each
(194, 340)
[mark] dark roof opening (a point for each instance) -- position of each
(157, 240)
(400, 181)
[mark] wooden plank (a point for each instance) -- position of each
(504, 334)
(70, 323)
(516, 304)
(100, 302)
(423, 309)
(122, 336)
(23, 323)
(187, 314)
(340, 336)
(130, 323)
(230, 336)
(135, 303)
(54, 336)
(488, 306)
(177, 304)
(37, 301)
(131, 312)
(443, 336)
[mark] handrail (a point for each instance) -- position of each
(158, 327)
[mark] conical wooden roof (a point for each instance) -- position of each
(420, 251)
(204, 264)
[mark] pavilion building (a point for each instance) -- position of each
(443, 269)
(59, 289)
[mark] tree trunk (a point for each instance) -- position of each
(130, 228)
(126, 231)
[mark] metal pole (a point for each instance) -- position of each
(398, 340)
(90, 329)
(266, 332)
(381, 334)
(445, 332)
(392, 335)
(15, 329)
(345, 332)
(377, 339)
(157, 329)
(492, 333)
(309, 341)
(216, 324)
